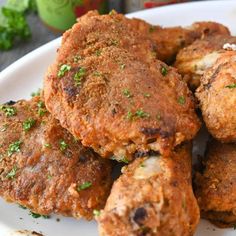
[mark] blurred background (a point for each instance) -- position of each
(28, 24)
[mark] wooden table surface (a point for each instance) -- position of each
(40, 36)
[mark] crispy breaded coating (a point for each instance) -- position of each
(43, 167)
(116, 97)
(215, 188)
(153, 197)
(193, 60)
(217, 97)
(169, 41)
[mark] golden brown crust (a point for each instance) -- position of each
(215, 188)
(43, 173)
(193, 60)
(153, 197)
(121, 104)
(217, 97)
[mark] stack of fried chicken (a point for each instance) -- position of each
(123, 89)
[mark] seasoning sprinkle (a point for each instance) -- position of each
(231, 86)
(12, 173)
(127, 93)
(164, 71)
(96, 212)
(79, 75)
(63, 145)
(181, 100)
(83, 186)
(8, 110)
(28, 124)
(63, 69)
(14, 147)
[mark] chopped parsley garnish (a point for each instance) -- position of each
(63, 69)
(98, 52)
(37, 93)
(96, 212)
(142, 165)
(114, 42)
(8, 110)
(49, 176)
(97, 73)
(22, 207)
(77, 58)
(63, 145)
(181, 100)
(4, 128)
(231, 86)
(12, 173)
(83, 186)
(158, 116)
(28, 124)
(79, 75)
(152, 28)
(35, 215)
(127, 93)
(13, 148)
(124, 159)
(141, 114)
(147, 95)
(164, 71)
(129, 115)
(47, 145)
(41, 108)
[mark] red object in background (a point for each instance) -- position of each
(151, 4)
(87, 5)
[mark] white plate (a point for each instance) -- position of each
(26, 75)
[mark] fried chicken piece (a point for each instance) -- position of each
(44, 168)
(153, 197)
(116, 97)
(215, 188)
(193, 60)
(170, 40)
(217, 97)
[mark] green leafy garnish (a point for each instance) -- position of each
(47, 145)
(142, 165)
(41, 108)
(141, 114)
(35, 215)
(98, 52)
(181, 100)
(37, 93)
(28, 124)
(83, 186)
(164, 71)
(4, 128)
(8, 110)
(125, 160)
(13, 24)
(127, 93)
(63, 145)
(22, 207)
(14, 147)
(231, 86)
(63, 69)
(12, 173)
(96, 212)
(129, 115)
(79, 75)
(147, 95)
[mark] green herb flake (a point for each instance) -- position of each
(22, 207)
(63, 145)
(83, 186)
(97, 73)
(127, 93)
(8, 110)
(13, 148)
(152, 28)
(37, 93)
(49, 176)
(147, 95)
(12, 173)
(181, 100)
(47, 145)
(141, 114)
(142, 165)
(98, 52)
(129, 115)
(164, 71)
(125, 160)
(231, 86)
(4, 128)
(63, 69)
(96, 212)
(36, 215)
(28, 124)
(79, 75)
(41, 108)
